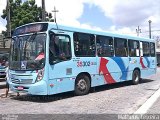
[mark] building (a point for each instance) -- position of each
(158, 49)
(4, 44)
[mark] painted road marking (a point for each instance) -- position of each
(145, 107)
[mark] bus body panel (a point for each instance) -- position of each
(25, 81)
(39, 88)
(60, 77)
(63, 74)
(148, 67)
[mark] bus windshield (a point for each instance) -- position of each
(28, 52)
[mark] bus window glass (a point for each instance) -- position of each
(104, 46)
(60, 48)
(29, 50)
(146, 49)
(152, 48)
(133, 47)
(84, 45)
(120, 46)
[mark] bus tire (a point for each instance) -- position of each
(135, 77)
(82, 85)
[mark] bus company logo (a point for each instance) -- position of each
(85, 63)
(133, 61)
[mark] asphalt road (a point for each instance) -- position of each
(121, 98)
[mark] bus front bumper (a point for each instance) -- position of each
(38, 88)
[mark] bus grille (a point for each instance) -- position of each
(22, 81)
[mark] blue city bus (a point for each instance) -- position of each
(47, 59)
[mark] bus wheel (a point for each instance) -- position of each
(82, 85)
(135, 77)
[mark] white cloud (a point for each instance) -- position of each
(130, 14)
(125, 15)
(2, 6)
(2, 22)
(69, 10)
(123, 30)
(2, 25)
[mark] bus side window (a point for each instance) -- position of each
(133, 46)
(84, 45)
(120, 45)
(59, 48)
(152, 49)
(146, 49)
(105, 48)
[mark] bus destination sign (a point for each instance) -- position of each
(39, 27)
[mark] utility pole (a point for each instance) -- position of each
(150, 28)
(8, 20)
(43, 11)
(55, 11)
(138, 31)
(55, 16)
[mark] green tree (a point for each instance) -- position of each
(23, 13)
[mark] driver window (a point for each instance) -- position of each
(60, 48)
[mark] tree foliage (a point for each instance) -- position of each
(23, 13)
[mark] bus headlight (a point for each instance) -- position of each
(40, 75)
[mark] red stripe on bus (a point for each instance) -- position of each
(141, 62)
(107, 76)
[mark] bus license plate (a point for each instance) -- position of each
(20, 88)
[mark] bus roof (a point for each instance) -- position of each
(52, 25)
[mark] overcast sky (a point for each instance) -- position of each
(122, 16)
